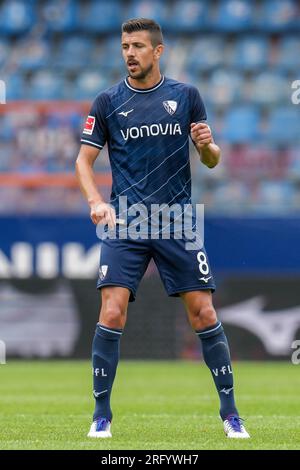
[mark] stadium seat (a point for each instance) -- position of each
(7, 130)
(16, 16)
(278, 15)
(188, 15)
(6, 154)
(270, 88)
(225, 87)
(75, 120)
(241, 124)
(205, 53)
(32, 54)
(89, 84)
(108, 55)
(4, 51)
(15, 87)
(250, 53)
(289, 53)
(60, 15)
(284, 125)
(47, 85)
(186, 76)
(230, 196)
(150, 9)
(234, 15)
(275, 196)
(294, 163)
(102, 16)
(174, 61)
(74, 52)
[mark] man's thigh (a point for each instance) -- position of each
(182, 270)
(123, 263)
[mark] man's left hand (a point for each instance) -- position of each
(201, 134)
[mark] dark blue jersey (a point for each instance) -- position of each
(147, 132)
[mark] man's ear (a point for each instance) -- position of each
(158, 51)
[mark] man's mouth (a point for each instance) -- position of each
(132, 63)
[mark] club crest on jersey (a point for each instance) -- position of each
(89, 125)
(170, 106)
(103, 271)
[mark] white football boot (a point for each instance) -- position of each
(234, 428)
(100, 428)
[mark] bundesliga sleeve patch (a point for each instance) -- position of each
(89, 125)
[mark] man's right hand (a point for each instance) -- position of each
(103, 213)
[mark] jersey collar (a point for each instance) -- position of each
(145, 90)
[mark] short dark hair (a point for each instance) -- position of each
(144, 24)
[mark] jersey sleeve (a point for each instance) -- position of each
(198, 111)
(95, 128)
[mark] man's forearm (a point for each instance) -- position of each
(87, 183)
(101, 212)
(209, 155)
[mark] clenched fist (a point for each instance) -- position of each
(201, 134)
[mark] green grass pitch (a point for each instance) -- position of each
(157, 405)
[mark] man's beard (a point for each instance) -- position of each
(142, 74)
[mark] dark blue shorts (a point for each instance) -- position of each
(124, 262)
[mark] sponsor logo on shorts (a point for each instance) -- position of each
(205, 279)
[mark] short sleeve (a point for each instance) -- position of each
(95, 128)
(198, 111)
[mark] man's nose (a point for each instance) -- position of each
(130, 51)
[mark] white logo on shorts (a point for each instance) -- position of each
(103, 271)
(205, 279)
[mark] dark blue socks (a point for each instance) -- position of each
(217, 357)
(105, 357)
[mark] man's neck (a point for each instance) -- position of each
(144, 83)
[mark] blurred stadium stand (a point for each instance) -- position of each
(55, 56)
(242, 55)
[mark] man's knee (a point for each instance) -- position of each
(203, 316)
(206, 316)
(112, 316)
(113, 309)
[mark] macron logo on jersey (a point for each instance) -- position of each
(125, 113)
(89, 125)
(153, 130)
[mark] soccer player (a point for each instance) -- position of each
(147, 120)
